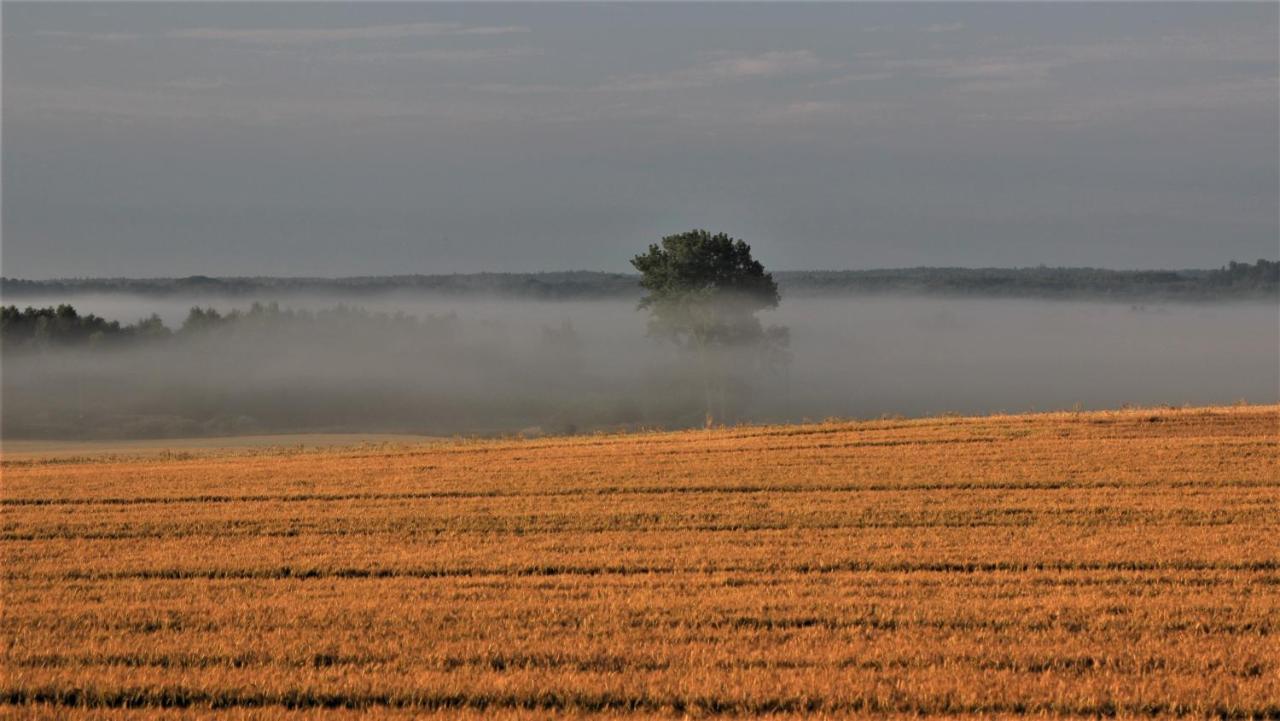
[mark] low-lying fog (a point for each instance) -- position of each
(492, 366)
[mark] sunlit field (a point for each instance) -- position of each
(1082, 564)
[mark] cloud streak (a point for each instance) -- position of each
(302, 36)
(771, 64)
(314, 36)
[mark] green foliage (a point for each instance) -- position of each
(151, 327)
(200, 319)
(1262, 274)
(60, 326)
(705, 289)
(703, 292)
(38, 329)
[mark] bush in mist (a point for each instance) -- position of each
(703, 292)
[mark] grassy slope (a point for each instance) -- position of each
(1094, 563)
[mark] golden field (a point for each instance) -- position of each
(1119, 563)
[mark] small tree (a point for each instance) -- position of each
(703, 293)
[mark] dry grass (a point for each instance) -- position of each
(1098, 564)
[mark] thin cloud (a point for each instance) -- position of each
(198, 83)
(841, 112)
(852, 78)
(944, 27)
(1035, 66)
(1203, 99)
(313, 36)
(294, 111)
(105, 37)
(995, 74)
(300, 36)
(440, 55)
(724, 69)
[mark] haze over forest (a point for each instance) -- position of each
(474, 365)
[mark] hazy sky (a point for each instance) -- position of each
(345, 139)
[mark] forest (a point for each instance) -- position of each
(1235, 280)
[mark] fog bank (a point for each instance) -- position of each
(501, 366)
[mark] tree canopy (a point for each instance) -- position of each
(704, 289)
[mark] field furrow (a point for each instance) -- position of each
(1078, 564)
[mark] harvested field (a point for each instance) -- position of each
(1082, 564)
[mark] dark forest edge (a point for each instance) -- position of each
(1234, 281)
(63, 326)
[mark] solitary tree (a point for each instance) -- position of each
(703, 293)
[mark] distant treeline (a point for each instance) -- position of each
(557, 285)
(63, 326)
(1233, 281)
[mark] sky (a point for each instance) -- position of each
(296, 139)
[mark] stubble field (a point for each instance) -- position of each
(1117, 563)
